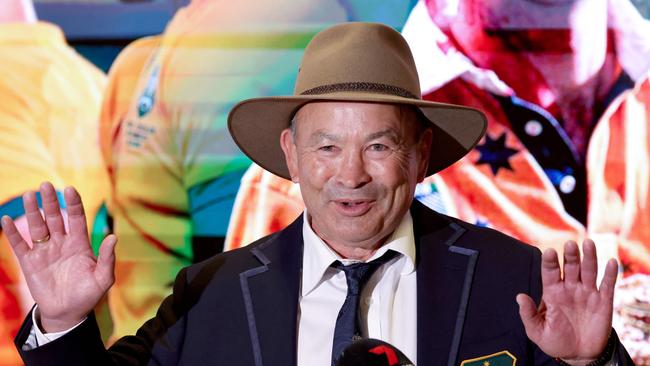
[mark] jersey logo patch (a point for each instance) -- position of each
(148, 97)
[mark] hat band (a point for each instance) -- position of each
(361, 87)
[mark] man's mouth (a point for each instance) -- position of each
(353, 207)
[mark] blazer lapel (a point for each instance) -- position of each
(444, 279)
(271, 297)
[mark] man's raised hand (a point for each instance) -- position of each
(61, 271)
(574, 319)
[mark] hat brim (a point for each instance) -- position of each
(256, 124)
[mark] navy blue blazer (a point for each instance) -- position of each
(240, 307)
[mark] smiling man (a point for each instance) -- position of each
(363, 260)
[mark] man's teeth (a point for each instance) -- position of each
(351, 203)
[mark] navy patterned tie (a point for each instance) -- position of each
(347, 323)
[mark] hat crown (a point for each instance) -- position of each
(358, 56)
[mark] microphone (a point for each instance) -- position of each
(372, 352)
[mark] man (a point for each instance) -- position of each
(567, 97)
(357, 138)
(49, 112)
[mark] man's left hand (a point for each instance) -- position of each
(574, 319)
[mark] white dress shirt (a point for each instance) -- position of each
(388, 306)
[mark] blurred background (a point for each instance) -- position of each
(127, 100)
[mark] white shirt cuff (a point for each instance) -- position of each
(37, 338)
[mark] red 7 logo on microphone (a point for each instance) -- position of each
(389, 352)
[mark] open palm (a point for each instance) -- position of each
(574, 319)
(63, 275)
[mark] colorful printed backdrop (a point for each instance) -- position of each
(565, 86)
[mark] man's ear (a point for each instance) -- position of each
(424, 149)
(290, 154)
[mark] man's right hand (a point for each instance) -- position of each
(61, 271)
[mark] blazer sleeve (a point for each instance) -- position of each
(160, 339)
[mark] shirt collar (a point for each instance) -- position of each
(318, 256)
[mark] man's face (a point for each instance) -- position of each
(357, 165)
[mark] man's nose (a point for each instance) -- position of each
(352, 172)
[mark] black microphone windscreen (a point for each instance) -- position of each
(372, 352)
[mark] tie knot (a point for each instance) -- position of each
(357, 274)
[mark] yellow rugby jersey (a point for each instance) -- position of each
(49, 113)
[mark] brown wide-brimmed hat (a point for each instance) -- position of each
(356, 62)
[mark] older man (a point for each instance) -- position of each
(362, 261)
(571, 75)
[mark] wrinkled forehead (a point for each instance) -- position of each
(337, 116)
(350, 109)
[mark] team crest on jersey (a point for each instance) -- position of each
(147, 99)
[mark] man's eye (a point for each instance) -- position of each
(327, 148)
(378, 147)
